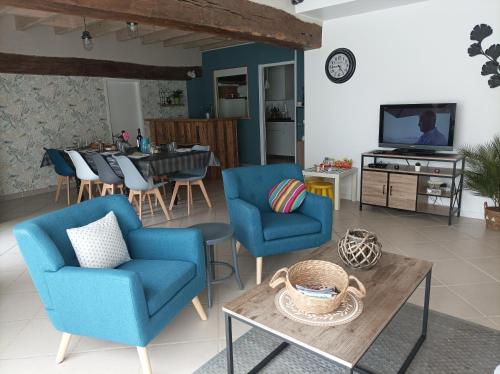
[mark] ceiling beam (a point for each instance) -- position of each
(23, 23)
(71, 66)
(235, 19)
(227, 43)
(202, 42)
(64, 24)
(192, 37)
(103, 27)
(163, 34)
(125, 34)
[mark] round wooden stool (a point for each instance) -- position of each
(323, 189)
(309, 180)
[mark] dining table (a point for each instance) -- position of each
(149, 165)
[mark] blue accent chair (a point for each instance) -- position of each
(63, 170)
(262, 231)
(130, 304)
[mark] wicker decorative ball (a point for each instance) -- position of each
(359, 249)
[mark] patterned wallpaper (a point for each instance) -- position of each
(55, 111)
(151, 101)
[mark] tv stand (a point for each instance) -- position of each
(400, 186)
(413, 152)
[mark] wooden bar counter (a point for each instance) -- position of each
(219, 133)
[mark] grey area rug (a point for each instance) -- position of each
(452, 346)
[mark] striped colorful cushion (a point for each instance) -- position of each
(287, 195)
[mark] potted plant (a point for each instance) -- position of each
(177, 95)
(482, 176)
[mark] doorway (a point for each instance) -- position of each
(277, 96)
(124, 104)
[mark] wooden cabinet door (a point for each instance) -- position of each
(374, 189)
(403, 191)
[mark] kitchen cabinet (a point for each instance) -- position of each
(280, 138)
(280, 79)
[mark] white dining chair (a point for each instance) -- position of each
(85, 174)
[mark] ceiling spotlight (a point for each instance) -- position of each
(86, 37)
(132, 26)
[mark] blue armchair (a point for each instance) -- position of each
(264, 232)
(130, 304)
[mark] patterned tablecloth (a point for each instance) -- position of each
(163, 163)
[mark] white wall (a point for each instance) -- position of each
(411, 54)
(42, 41)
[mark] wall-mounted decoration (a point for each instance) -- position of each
(340, 65)
(492, 66)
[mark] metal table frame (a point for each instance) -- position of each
(229, 340)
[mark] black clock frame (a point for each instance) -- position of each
(352, 65)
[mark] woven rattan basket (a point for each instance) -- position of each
(359, 249)
(320, 274)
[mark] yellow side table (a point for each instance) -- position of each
(322, 189)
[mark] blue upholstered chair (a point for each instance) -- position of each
(130, 304)
(264, 232)
(63, 170)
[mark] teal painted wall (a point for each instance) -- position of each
(201, 96)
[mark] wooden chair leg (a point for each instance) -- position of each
(140, 205)
(120, 187)
(63, 347)
(80, 193)
(162, 203)
(238, 247)
(67, 189)
(258, 279)
(58, 189)
(199, 308)
(89, 185)
(174, 195)
(189, 197)
(104, 190)
(204, 192)
(150, 204)
(144, 359)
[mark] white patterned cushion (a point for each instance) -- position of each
(99, 244)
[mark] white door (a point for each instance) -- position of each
(125, 111)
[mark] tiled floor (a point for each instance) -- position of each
(466, 284)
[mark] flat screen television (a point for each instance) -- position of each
(417, 127)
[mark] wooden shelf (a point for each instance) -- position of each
(436, 157)
(440, 210)
(424, 170)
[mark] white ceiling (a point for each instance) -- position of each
(330, 9)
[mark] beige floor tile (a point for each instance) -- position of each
(484, 297)
(430, 251)
(489, 265)
(12, 260)
(21, 284)
(38, 338)
(238, 328)
(483, 321)
(86, 344)
(445, 301)
(19, 306)
(454, 272)
(401, 235)
(495, 320)
(473, 248)
(7, 278)
(9, 331)
(188, 327)
(444, 233)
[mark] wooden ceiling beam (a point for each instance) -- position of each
(227, 43)
(192, 37)
(125, 34)
(71, 66)
(234, 19)
(162, 35)
(64, 24)
(104, 27)
(202, 42)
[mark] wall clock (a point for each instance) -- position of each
(340, 65)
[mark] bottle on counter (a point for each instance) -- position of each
(139, 138)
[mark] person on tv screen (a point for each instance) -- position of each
(430, 134)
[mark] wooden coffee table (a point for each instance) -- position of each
(388, 284)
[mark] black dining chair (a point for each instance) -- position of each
(63, 170)
(107, 175)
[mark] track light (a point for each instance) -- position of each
(86, 38)
(132, 26)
